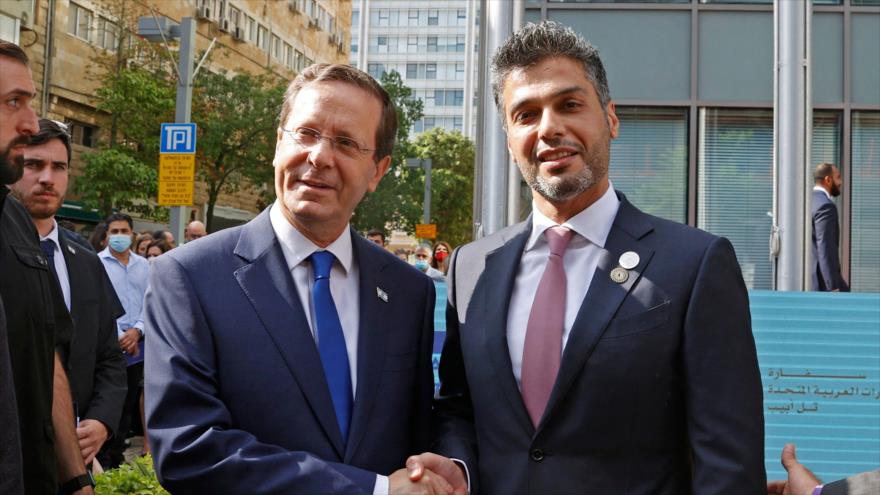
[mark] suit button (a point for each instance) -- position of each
(537, 455)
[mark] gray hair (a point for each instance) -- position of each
(533, 43)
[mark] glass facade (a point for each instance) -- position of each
(865, 250)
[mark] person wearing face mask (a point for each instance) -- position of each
(440, 256)
(129, 273)
(423, 263)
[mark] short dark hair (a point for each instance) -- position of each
(159, 243)
(49, 130)
(386, 133)
(823, 170)
(377, 232)
(119, 217)
(13, 51)
(159, 234)
(534, 43)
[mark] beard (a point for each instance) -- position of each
(835, 190)
(563, 188)
(12, 167)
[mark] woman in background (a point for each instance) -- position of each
(440, 256)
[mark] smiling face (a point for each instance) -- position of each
(319, 187)
(43, 183)
(559, 135)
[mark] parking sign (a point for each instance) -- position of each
(178, 138)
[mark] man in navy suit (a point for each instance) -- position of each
(290, 355)
(593, 348)
(825, 248)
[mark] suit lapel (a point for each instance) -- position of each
(488, 314)
(75, 276)
(603, 298)
(268, 284)
(373, 319)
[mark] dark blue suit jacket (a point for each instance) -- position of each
(236, 398)
(658, 392)
(825, 247)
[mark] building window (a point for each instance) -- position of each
(82, 134)
(865, 196)
(107, 34)
(234, 17)
(459, 71)
(432, 43)
(412, 44)
(288, 55)
(460, 17)
(735, 185)
(649, 160)
(376, 70)
(79, 21)
(383, 17)
(433, 18)
(413, 17)
(276, 47)
(430, 123)
(412, 71)
(298, 60)
(430, 71)
(251, 29)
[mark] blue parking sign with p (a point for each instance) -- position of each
(178, 138)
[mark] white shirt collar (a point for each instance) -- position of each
(297, 247)
(53, 235)
(593, 223)
(820, 188)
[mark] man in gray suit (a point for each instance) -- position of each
(592, 348)
(825, 247)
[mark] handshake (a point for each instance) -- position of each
(428, 474)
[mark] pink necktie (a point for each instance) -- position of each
(543, 346)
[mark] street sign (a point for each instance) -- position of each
(177, 175)
(178, 138)
(426, 230)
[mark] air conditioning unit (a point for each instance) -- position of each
(203, 12)
(224, 25)
(293, 5)
(313, 22)
(238, 34)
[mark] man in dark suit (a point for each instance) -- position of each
(94, 361)
(36, 320)
(593, 348)
(290, 355)
(825, 248)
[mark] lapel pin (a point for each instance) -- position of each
(72, 251)
(629, 260)
(381, 294)
(619, 275)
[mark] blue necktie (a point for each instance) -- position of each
(331, 342)
(48, 247)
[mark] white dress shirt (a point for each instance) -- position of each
(344, 281)
(820, 188)
(60, 265)
(591, 227)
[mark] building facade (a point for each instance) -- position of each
(63, 37)
(693, 83)
(431, 44)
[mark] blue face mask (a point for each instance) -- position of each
(119, 242)
(421, 265)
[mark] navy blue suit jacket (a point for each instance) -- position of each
(236, 398)
(658, 392)
(825, 247)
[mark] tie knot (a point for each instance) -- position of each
(48, 247)
(322, 262)
(558, 239)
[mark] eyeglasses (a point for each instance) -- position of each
(308, 138)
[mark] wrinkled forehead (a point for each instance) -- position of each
(335, 105)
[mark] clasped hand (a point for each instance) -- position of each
(428, 474)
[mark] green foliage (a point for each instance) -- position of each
(114, 179)
(135, 478)
(452, 182)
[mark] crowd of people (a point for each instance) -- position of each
(591, 348)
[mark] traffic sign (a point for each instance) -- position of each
(177, 175)
(178, 138)
(426, 230)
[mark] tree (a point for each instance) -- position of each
(396, 203)
(452, 182)
(237, 120)
(99, 185)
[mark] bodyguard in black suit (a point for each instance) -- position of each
(825, 248)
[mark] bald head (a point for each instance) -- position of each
(194, 230)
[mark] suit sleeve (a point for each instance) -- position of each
(867, 483)
(110, 385)
(827, 248)
(724, 395)
(196, 446)
(421, 426)
(454, 433)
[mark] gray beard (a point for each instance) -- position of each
(564, 189)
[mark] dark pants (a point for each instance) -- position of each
(112, 453)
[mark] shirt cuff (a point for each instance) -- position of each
(140, 326)
(381, 486)
(463, 466)
(817, 490)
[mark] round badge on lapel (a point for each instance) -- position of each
(629, 260)
(619, 275)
